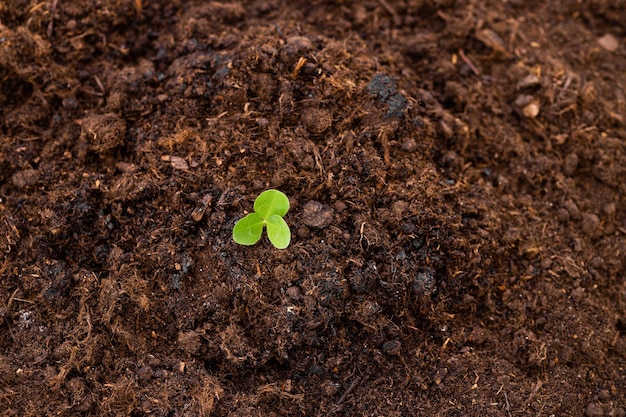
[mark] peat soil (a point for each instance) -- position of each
(456, 172)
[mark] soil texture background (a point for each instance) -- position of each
(456, 172)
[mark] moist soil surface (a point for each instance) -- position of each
(456, 173)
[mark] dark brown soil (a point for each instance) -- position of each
(457, 178)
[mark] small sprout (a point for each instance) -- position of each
(269, 208)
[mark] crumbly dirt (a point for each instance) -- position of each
(456, 172)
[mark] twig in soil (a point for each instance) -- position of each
(469, 63)
(51, 23)
(100, 85)
(566, 84)
(21, 300)
(274, 389)
(384, 141)
(11, 299)
(301, 62)
(351, 388)
(508, 405)
(362, 233)
(391, 11)
(138, 6)
(534, 391)
(92, 92)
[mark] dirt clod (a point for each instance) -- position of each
(316, 214)
(316, 120)
(103, 131)
(189, 342)
(25, 178)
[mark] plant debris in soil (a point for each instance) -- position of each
(456, 175)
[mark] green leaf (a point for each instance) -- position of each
(271, 202)
(269, 208)
(278, 231)
(247, 231)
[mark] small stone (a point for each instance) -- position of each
(316, 214)
(591, 225)
(608, 42)
(594, 410)
(531, 110)
(392, 347)
(409, 145)
(530, 80)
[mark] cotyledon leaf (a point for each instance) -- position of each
(271, 202)
(247, 231)
(278, 231)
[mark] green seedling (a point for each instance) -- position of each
(269, 208)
